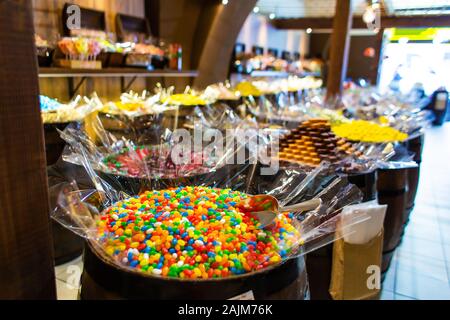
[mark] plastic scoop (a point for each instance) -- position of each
(265, 208)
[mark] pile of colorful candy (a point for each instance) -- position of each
(193, 233)
(366, 131)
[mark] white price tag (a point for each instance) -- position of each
(245, 296)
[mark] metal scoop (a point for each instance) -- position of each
(265, 208)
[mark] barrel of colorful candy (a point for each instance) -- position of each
(205, 256)
(202, 261)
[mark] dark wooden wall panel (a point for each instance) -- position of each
(26, 250)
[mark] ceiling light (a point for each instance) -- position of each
(224, 2)
(309, 30)
(256, 9)
(272, 16)
(369, 15)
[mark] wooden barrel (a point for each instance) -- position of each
(366, 182)
(102, 279)
(318, 266)
(413, 184)
(414, 145)
(66, 244)
(392, 188)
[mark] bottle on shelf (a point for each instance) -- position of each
(175, 56)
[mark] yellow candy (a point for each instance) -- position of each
(365, 131)
(197, 272)
(247, 89)
(110, 250)
(275, 259)
(184, 99)
(144, 262)
(134, 245)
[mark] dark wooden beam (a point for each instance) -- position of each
(215, 54)
(378, 59)
(358, 23)
(340, 44)
(26, 248)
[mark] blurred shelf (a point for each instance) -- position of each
(114, 72)
(238, 77)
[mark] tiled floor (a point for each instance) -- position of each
(421, 265)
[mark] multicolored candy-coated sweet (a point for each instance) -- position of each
(194, 233)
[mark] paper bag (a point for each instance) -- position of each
(353, 265)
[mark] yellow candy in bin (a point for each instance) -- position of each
(383, 120)
(366, 131)
(184, 99)
(248, 89)
(128, 106)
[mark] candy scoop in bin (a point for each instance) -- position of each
(265, 208)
